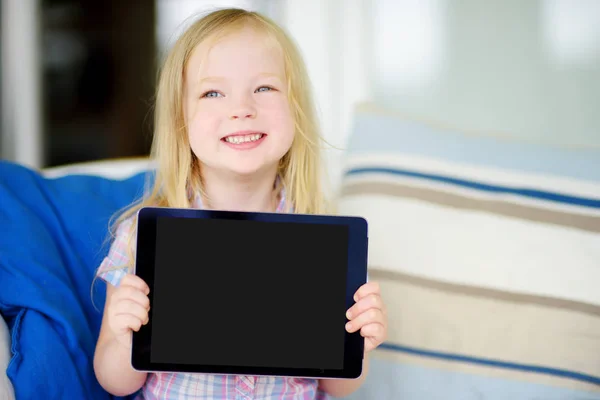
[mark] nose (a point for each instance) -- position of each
(243, 109)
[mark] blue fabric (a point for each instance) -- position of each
(53, 235)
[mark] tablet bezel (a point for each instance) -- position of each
(356, 276)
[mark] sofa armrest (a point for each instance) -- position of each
(6, 387)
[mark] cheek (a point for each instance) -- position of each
(201, 123)
(199, 129)
(280, 116)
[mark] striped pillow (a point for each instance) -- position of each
(488, 252)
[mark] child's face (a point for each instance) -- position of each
(236, 106)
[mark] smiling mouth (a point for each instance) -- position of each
(240, 139)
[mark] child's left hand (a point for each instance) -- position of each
(368, 315)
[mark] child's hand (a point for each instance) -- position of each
(368, 315)
(127, 308)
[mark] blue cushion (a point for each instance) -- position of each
(53, 235)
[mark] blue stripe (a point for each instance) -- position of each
(493, 363)
(531, 193)
(374, 134)
(406, 380)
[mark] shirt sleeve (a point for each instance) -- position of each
(115, 265)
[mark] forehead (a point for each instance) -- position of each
(236, 54)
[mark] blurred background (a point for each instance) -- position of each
(78, 75)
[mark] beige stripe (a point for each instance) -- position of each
(435, 319)
(510, 297)
(582, 222)
(483, 370)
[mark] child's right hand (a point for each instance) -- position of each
(127, 308)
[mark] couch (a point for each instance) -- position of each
(488, 252)
(487, 249)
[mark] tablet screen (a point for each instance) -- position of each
(249, 293)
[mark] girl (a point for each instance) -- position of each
(235, 130)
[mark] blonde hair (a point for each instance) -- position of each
(178, 170)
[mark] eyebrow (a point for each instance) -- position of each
(210, 79)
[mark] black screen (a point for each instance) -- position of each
(249, 293)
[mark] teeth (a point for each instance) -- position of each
(243, 139)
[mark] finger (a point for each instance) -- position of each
(130, 322)
(128, 307)
(366, 289)
(136, 282)
(375, 330)
(372, 315)
(133, 294)
(370, 301)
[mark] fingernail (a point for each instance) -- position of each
(349, 315)
(348, 326)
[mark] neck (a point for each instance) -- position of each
(225, 191)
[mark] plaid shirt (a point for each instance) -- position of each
(166, 385)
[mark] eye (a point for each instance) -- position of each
(211, 93)
(264, 89)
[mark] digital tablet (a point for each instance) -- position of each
(249, 293)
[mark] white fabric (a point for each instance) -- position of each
(6, 387)
(112, 169)
(479, 249)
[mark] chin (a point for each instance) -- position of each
(249, 170)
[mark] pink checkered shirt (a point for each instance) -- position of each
(166, 385)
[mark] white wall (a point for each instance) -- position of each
(526, 69)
